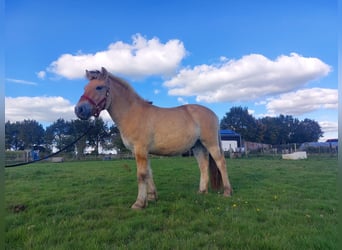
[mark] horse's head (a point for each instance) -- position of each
(94, 98)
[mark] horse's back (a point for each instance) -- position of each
(190, 114)
(175, 130)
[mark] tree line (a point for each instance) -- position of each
(282, 129)
(29, 134)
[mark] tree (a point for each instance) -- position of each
(271, 130)
(260, 131)
(307, 131)
(98, 134)
(279, 130)
(79, 127)
(286, 129)
(116, 140)
(32, 133)
(239, 120)
(12, 136)
(59, 134)
(23, 135)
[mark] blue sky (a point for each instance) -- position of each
(274, 57)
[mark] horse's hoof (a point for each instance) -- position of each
(228, 192)
(152, 196)
(135, 207)
(202, 191)
(138, 206)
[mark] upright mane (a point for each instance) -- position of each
(125, 86)
(122, 83)
(111, 79)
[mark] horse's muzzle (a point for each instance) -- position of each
(83, 111)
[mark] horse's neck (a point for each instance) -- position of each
(123, 98)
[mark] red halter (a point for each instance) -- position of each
(101, 105)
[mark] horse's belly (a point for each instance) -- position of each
(172, 145)
(168, 151)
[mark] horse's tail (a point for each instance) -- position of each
(215, 174)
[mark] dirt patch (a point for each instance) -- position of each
(18, 208)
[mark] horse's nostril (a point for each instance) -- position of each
(78, 110)
(82, 111)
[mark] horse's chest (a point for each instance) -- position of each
(128, 144)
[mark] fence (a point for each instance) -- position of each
(313, 148)
(249, 149)
(14, 157)
(23, 156)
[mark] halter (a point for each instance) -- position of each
(101, 105)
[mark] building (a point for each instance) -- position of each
(230, 140)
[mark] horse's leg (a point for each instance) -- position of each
(220, 161)
(142, 176)
(151, 188)
(202, 157)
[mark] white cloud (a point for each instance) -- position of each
(263, 102)
(330, 130)
(182, 100)
(40, 108)
(303, 101)
(249, 78)
(251, 111)
(41, 74)
(329, 126)
(44, 109)
(106, 117)
(20, 81)
(140, 59)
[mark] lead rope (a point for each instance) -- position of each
(53, 154)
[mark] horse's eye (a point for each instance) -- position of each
(99, 87)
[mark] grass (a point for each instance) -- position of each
(277, 204)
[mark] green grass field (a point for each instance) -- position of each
(277, 204)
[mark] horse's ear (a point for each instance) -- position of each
(88, 75)
(104, 73)
(94, 74)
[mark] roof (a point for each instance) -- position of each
(318, 144)
(228, 132)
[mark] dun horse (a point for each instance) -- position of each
(145, 129)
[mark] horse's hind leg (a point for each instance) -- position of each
(202, 157)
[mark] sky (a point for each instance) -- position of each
(273, 57)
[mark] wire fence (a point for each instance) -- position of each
(22, 156)
(311, 148)
(249, 149)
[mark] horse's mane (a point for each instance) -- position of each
(122, 83)
(112, 79)
(126, 86)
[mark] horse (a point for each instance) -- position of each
(147, 129)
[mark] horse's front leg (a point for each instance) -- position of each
(142, 176)
(151, 188)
